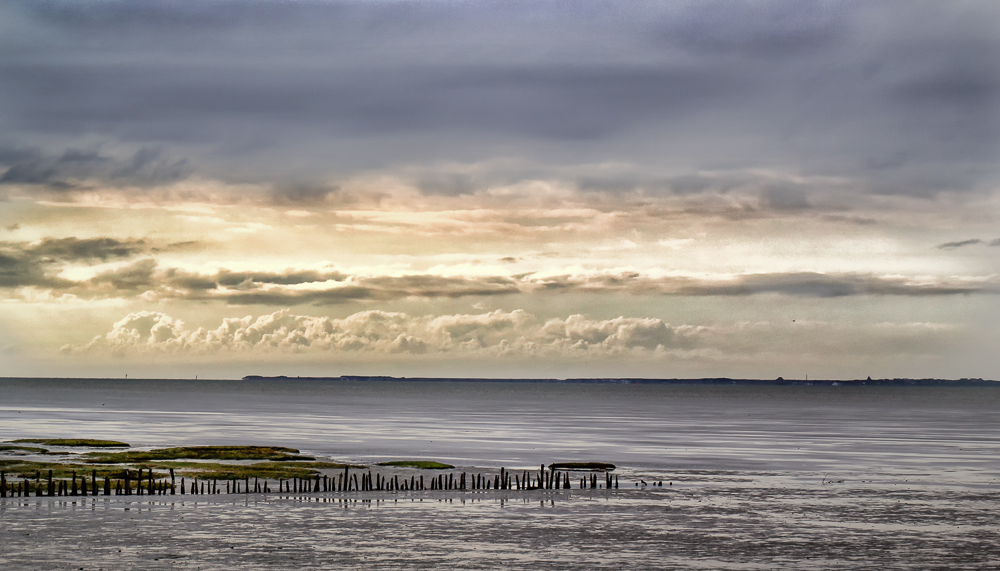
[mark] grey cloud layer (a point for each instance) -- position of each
(901, 95)
(969, 242)
(73, 167)
(37, 266)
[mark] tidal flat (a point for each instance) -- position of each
(704, 520)
(754, 477)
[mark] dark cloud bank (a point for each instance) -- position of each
(969, 242)
(900, 96)
(39, 264)
(35, 264)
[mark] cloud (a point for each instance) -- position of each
(500, 334)
(74, 249)
(380, 332)
(76, 169)
(970, 242)
(900, 95)
(145, 278)
(36, 263)
(959, 244)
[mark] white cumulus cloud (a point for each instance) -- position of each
(380, 332)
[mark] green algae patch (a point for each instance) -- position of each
(29, 470)
(273, 453)
(421, 464)
(74, 442)
(583, 466)
(262, 470)
(18, 469)
(14, 449)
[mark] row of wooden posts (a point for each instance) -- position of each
(144, 483)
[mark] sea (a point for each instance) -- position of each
(753, 477)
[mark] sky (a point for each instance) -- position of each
(584, 188)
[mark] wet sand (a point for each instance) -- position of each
(704, 521)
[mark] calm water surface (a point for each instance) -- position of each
(494, 424)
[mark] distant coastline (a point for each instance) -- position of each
(964, 382)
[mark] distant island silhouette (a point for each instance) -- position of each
(964, 382)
